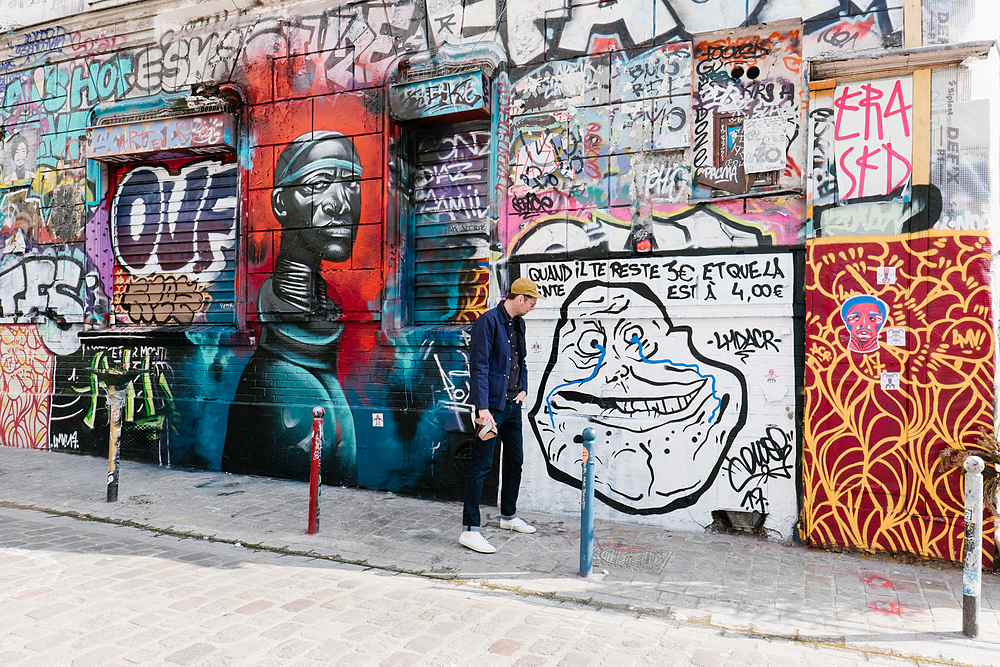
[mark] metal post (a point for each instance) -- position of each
(115, 401)
(115, 379)
(587, 505)
(315, 479)
(973, 553)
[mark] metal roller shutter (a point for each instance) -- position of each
(451, 226)
(173, 227)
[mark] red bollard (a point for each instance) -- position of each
(314, 476)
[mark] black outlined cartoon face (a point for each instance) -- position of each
(665, 415)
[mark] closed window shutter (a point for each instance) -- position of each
(173, 227)
(451, 224)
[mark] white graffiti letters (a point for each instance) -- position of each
(176, 223)
(41, 284)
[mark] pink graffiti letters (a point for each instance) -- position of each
(872, 131)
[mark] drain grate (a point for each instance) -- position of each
(631, 557)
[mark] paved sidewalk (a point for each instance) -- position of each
(729, 582)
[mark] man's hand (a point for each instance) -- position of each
(520, 397)
(486, 417)
(488, 426)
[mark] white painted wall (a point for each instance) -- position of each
(16, 14)
(699, 417)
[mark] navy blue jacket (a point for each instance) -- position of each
(489, 359)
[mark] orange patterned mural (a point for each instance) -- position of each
(25, 387)
(891, 379)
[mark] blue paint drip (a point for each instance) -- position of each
(548, 398)
(245, 151)
(646, 360)
(718, 402)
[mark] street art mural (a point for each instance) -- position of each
(317, 201)
(20, 155)
(883, 413)
(607, 155)
(451, 224)
(25, 387)
(747, 134)
(267, 210)
(173, 231)
(680, 400)
(864, 316)
(860, 186)
(768, 222)
(80, 418)
(872, 137)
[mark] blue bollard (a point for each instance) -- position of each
(587, 505)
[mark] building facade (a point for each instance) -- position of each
(763, 230)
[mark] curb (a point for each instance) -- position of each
(638, 611)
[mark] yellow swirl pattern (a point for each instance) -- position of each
(26, 369)
(870, 475)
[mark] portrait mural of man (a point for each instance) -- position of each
(316, 199)
(864, 316)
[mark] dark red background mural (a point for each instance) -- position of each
(878, 421)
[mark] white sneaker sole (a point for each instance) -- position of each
(527, 530)
(478, 548)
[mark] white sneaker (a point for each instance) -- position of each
(517, 524)
(474, 540)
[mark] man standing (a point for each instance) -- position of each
(498, 384)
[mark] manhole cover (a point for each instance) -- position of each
(629, 557)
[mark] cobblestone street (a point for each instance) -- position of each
(86, 593)
(203, 568)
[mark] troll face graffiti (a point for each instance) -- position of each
(665, 415)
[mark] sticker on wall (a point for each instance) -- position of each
(15, 243)
(895, 337)
(764, 144)
(886, 275)
(864, 316)
(890, 381)
(773, 390)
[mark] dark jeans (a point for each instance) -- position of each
(512, 456)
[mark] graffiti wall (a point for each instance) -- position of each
(900, 309)
(899, 365)
(25, 387)
(260, 210)
(694, 412)
(173, 231)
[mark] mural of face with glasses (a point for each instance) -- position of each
(665, 415)
(317, 198)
